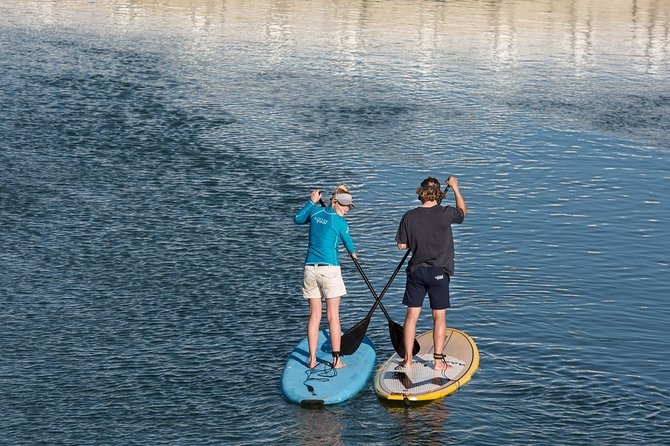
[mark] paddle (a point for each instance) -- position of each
(446, 188)
(396, 331)
(353, 337)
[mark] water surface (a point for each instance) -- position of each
(152, 155)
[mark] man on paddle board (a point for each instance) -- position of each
(322, 277)
(426, 231)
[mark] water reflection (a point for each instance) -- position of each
(510, 29)
(425, 424)
(318, 427)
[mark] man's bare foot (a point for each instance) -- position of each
(406, 365)
(440, 363)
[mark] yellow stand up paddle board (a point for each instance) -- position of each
(421, 382)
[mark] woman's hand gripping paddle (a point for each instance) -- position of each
(353, 337)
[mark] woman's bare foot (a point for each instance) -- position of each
(337, 363)
(312, 363)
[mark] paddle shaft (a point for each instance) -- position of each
(378, 298)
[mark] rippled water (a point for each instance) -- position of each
(152, 156)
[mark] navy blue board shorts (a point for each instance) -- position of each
(431, 280)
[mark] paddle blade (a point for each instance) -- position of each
(416, 348)
(353, 337)
(397, 333)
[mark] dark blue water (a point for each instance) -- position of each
(152, 157)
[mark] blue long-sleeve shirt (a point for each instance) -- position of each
(326, 231)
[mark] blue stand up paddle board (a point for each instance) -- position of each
(324, 385)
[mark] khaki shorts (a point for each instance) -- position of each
(322, 281)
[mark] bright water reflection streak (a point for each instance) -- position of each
(152, 156)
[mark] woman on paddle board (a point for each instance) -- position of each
(322, 277)
(426, 231)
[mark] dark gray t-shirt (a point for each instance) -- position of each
(427, 232)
